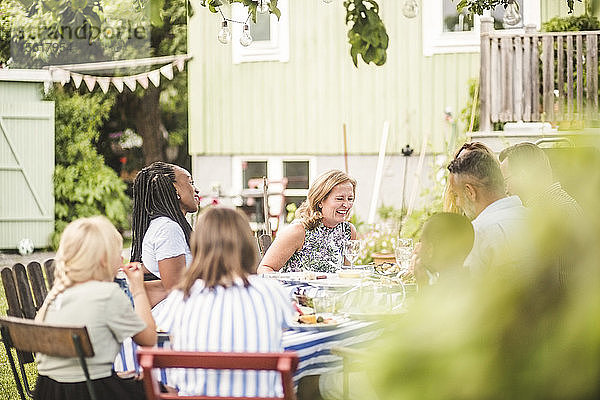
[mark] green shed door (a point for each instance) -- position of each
(26, 168)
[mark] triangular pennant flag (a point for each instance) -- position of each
(180, 63)
(61, 75)
(143, 80)
(154, 77)
(130, 82)
(104, 83)
(167, 71)
(90, 82)
(77, 79)
(118, 83)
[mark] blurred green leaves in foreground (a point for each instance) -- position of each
(509, 333)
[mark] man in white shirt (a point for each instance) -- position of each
(477, 187)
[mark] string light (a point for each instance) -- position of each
(246, 39)
(512, 16)
(410, 9)
(224, 34)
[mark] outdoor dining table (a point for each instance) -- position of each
(313, 346)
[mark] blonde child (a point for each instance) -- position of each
(87, 260)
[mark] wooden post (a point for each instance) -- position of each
(487, 26)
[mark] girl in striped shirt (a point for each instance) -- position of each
(222, 306)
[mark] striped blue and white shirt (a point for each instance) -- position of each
(232, 319)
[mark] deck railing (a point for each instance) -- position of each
(535, 76)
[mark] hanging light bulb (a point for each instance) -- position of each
(262, 6)
(224, 35)
(512, 16)
(410, 9)
(246, 39)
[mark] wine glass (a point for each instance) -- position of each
(351, 249)
(403, 250)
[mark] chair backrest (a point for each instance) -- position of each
(28, 336)
(285, 363)
(26, 288)
(53, 340)
(264, 242)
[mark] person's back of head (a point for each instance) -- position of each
(526, 169)
(223, 249)
(89, 249)
(475, 179)
(446, 240)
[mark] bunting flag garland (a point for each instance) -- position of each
(154, 77)
(90, 82)
(118, 83)
(142, 79)
(104, 83)
(77, 79)
(167, 71)
(65, 76)
(130, 82)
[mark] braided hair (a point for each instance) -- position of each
(154, 195)
(90, 248)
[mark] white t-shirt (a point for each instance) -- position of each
(163, 239)
(232, 319)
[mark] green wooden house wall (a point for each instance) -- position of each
(299, 107)
(26, 164)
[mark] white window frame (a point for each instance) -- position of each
(275, 49)
(274, 173)
(436, 41)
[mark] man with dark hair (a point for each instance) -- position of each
(528, 174)
(477, 187)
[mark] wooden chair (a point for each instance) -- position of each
(54, 340)
(25, 289)
(286, 363)
(264, 242)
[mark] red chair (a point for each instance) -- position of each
(150, 358)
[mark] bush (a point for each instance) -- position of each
(83, 184)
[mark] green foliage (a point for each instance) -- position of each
(572, 23)
(367, 36)
(83, 184)
(478, 6)
(213, 6)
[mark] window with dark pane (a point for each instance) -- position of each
(252, 170)
(297, 174)
(261, 30)
(297, 200)
(455, 22)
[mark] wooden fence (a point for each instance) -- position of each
(535, 76)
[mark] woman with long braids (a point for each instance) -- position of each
(162, 196)
(84, 293)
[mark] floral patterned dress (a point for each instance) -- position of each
(322, 250)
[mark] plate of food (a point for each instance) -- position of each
(313, 322)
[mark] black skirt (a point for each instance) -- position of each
(111, 388)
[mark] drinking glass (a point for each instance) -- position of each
(351, 249)
(403, 250)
